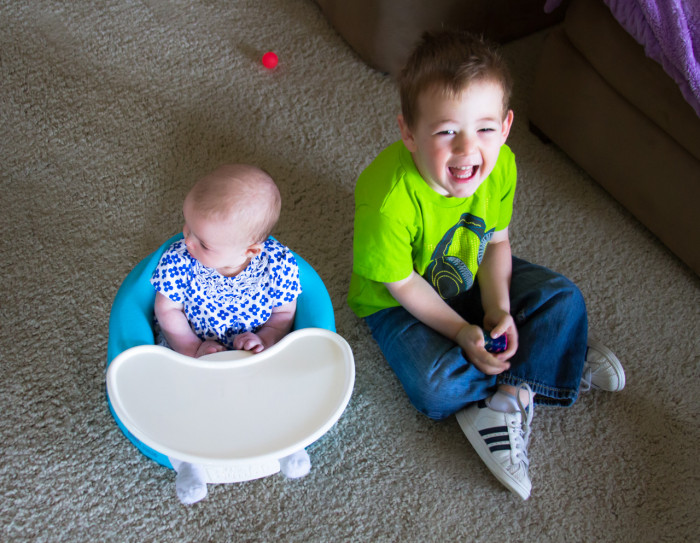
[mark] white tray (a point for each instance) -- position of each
(234, 408)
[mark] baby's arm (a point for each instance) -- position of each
(177, 331)
(421, 300)
(494, 276)
(277, 326)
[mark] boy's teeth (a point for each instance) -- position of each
(463, 171)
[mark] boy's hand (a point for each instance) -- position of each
(471, 338)
(209, 347)
(499, 323)
(248, 341)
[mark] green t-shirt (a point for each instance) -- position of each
(401, 224)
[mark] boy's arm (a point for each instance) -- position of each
(420, 299)
(494, 276)
(277, 326)
(175, 326)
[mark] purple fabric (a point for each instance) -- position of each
(669, 30)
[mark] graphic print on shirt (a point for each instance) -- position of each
(464, 243)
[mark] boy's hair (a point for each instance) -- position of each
(450, 61)
(241, 193)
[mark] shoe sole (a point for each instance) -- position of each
(614, 362)
(466, 423)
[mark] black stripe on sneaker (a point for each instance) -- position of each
(496, 439)
(494, 430)
(499, 440)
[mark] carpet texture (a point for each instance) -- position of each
(110, 111)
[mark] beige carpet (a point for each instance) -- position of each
(110, 110)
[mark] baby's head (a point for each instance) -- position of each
(455, 90)
(228, 215)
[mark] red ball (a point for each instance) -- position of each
(270, 60)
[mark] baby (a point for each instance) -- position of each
(227, 285)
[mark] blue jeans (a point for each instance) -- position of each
(552, 323)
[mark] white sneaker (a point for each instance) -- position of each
(602, 369)
(501, 440)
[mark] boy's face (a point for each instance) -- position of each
(456, 139)
(213, 243)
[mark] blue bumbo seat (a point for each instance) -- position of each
(131, 318)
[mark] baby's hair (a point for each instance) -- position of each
(246, 195)
(450, 61)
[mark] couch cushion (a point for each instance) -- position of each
(636, 161)
(621, 61)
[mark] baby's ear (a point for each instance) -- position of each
(406, 134)
(254, 250)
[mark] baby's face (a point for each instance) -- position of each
(215, 245)
(456, 140)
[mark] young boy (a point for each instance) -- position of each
(433, 268)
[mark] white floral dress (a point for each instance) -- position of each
(219, 307)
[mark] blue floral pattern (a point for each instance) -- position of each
(220, 307)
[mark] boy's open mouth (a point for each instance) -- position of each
(463, 173)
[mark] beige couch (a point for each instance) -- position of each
(617, 114)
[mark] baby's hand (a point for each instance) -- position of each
(471, 339)
(209, 347)
(248, 341)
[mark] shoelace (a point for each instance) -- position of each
(522, 439)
